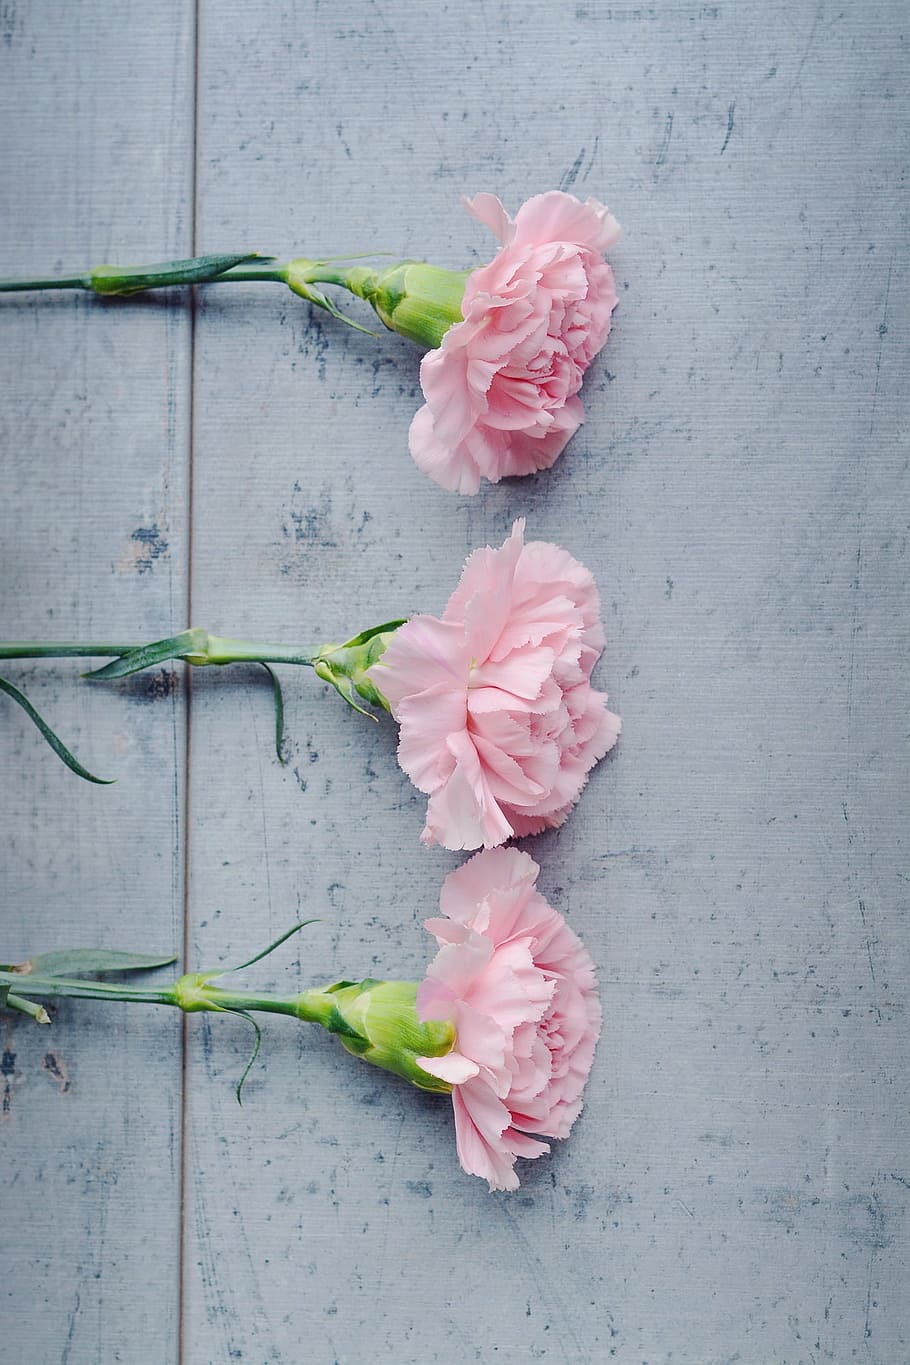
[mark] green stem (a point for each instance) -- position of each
(42, 649)
(201, 649)
(276, 274)
(61, 282)
(36, 1012)
(133, 279)
(192, 993)
(52, 987)
(225, 651)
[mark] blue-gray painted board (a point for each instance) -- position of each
(97, 113)
(737, 1187)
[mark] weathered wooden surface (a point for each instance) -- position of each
(737, 1189)
(94, 422)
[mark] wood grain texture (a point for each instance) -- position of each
(94, 424)
(737, 1188)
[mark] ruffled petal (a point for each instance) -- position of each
(502, 387)
(556, 216)
(488, 209)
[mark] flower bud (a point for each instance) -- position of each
(378, 1022)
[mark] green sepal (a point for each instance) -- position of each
(132, 279)
(88, 962)
(53, 740)
(335, 1022)
(345, 666)
(419, 301)
(299, 281)
(382, 1026)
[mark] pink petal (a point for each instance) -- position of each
(428, 722)
(556, 216)
(487, 209)
(478, 1116)
(423, 653)
(467, 887)
(452, 1067)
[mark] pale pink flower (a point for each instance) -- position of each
(500, 725)
(502, 388)
(520, 990)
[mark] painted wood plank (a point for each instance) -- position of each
(737, 1187)
(94, 430)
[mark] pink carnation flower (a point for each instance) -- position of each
(502, 388)
(500, 725)
(520, 989)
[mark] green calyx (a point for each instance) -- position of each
(378, 1022)
(345, 666)
(417, 300)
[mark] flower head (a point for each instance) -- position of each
(499, 723)
(520, 990)
(502, 387)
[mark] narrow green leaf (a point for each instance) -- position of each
(295, 929)
(242, 1014)
(53, 740)
(131, 279)
(279, 714)
(89, 962)
(158, 652)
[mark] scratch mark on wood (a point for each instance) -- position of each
(882, 333)
(730, 126)
(867, 1328)
(571, 175)
(74, 1317)
(665, 145)
(878, 1013)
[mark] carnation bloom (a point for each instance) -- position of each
(520, 990)
(499, 723)
(502, 387)
(505, 1021)
(508, 343)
